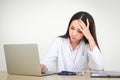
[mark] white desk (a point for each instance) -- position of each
(5, 76)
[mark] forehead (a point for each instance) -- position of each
(75, 23)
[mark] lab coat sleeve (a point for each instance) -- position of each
(49, 60)
(96, 61)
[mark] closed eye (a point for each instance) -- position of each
(72, 27)
(79, 31)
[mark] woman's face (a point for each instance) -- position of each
(74, 31)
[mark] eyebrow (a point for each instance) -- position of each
(72, 26)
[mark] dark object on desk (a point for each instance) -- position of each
(105, 74)
(67, 73)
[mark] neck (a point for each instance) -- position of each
(74, 44)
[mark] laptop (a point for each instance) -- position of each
(23, 59)
(105, 74)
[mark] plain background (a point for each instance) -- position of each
(41, 21)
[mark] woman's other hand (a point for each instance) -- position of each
(43, 68)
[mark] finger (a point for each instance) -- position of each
(87, 23)
(81, 29)
(82, 23)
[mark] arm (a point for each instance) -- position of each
(94, 55)
(95, 59)
(48, 61)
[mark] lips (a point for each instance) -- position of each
(73, 38)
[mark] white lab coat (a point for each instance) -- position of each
(68, 60)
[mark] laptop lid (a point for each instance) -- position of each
(22, 59)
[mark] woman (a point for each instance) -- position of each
(77, 49)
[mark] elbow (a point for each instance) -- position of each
(100, 66)
(97, 68)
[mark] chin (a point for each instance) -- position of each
(74, 40)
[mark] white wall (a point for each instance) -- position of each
(41, 21)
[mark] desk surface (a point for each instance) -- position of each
(5, 76)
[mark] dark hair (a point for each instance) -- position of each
(83, 16)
